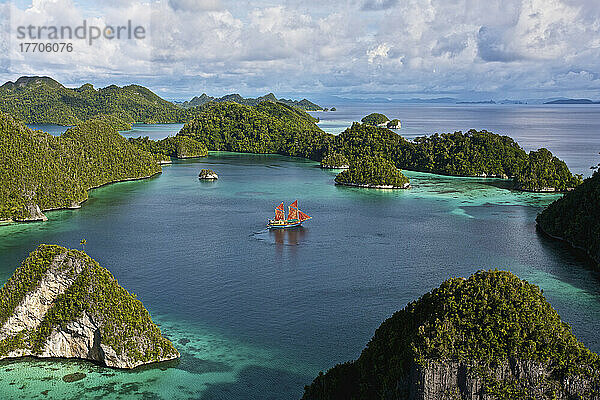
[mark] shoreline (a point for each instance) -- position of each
(334, 167)
(76, 205)
(573, 246)
(370, 186)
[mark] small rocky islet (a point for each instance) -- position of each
(208, 175)
(60, 303)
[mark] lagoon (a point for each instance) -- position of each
(257, 314)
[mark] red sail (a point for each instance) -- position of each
(302, 216)
(294, 204)
(293, 213)
(279, 212)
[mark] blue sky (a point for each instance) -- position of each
(398, 49)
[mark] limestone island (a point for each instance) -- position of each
(374, 173)
(492, 336)
(61, 303)
(381, 120)
(41, 172)
(575, 218)
(208, 175)
(335, 161)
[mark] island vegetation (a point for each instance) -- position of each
(113, 328)
(275, 128)
(177, 147)
(42, 172)
(373, 172)
(208, 175)
(43, 100)
(375, 119)
(334, 161)
(394, 124)
(303, 104)
(575, 218)
(492, 336)
(265, 128)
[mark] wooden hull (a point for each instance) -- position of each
(285, 224)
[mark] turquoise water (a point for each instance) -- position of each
(257, 314)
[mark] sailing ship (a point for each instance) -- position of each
(295, 217)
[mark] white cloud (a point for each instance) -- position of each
(362, 46)
(381, 51)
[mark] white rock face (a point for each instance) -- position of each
(208, 175)
(33, 214)
(30, 312)
(80, 338)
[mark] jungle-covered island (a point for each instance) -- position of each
(375, 119)
(489, 336)
(61, 303)
(42, 172)
(303, 104)
(575, 218)
(373, 172)
(381, 120)
(42, 100)
(276, 128)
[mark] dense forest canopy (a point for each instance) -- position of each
(265, 128)
(335, 160)
(236, 98)
(375, 119)
(44, 100)
(178, 147)
(38, 169)
(576, 217)
(487, 320)
(372, 171)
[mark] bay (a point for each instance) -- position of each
(257, 314)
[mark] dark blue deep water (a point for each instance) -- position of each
(257, 314)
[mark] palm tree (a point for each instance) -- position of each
(83, 243)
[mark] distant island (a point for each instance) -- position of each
(477, 102)
(373, 172)
(61, 303)
(572, 101)
(236, 98)
(575, 218)
(381, 120)
(42, 100)
(491, 336)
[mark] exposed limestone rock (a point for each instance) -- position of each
(61, 303)
(489, 337)
(32, 213)
(208, 174)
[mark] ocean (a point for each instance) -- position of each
(257, 314)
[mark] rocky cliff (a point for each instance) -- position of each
(61, 303)
(489, 337)
(575, 218)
